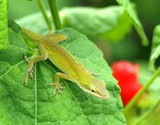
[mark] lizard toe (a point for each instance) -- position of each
(58, 87)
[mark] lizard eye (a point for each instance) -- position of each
(92, 89)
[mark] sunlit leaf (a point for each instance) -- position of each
(34, 104)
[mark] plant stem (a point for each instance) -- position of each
(136, 97)
(55, 15)
(149, 113)
(42, 8)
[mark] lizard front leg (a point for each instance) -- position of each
(35, 58)
(56, 81)
(55, 38)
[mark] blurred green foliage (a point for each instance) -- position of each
(20, 8)
(147, 11)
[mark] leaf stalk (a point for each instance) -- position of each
(42, 8)
(55, 15)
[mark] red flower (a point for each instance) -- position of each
(127, 76)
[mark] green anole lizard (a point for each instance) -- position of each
(61, 58)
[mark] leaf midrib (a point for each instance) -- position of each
(71, 93)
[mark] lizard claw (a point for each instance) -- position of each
(26, 58)
(58, 87)
(29, 71)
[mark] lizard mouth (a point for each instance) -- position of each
(105, 96)
(99, 95)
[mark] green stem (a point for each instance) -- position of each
(55, 15)
(148, 114)
(137, 96)
(42, 8)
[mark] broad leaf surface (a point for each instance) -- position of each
(111, 23)
(33, 103)
(155, 51)
(135, 20)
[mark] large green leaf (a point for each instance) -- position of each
(33, 103)
(3, 25)
(155, 52)
(111, 23)
(135, 20)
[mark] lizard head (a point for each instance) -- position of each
(98, 89)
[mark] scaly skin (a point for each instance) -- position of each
(61, 58)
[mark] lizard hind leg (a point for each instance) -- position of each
(55, 38)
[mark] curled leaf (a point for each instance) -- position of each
(135, 20)
(155, 50)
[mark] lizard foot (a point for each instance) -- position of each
(58, 87)
(30, 69)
